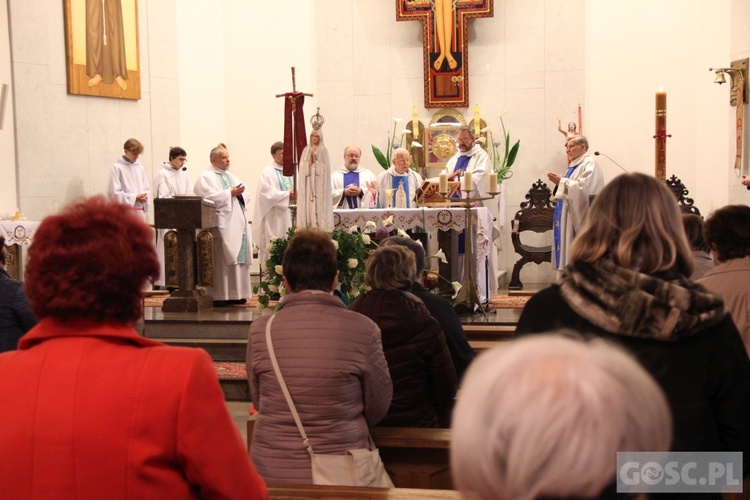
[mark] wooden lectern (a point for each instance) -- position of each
(186, 214)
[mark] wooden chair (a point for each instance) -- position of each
(536, 215)
(680, 192)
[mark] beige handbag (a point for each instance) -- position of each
(359, 467)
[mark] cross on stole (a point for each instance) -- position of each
(445, 52)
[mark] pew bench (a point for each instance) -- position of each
(414, 457)
(351, 492)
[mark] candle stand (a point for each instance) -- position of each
(468, 295)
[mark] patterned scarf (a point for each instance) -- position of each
(667, 307)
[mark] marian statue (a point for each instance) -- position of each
(314, 205)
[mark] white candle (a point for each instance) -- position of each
(443, 183)
(493, 183)
(468, 183)
(414, 123)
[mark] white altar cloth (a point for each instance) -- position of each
(431, 218)
(18, 232)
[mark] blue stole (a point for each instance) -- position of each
(461, 163)
(395, 184)
(285, 183)
(557, 218)
(352, 178)
(226, 183)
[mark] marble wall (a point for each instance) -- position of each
(211, 73)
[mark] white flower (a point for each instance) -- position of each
(278, 269)
(388, 222)
(274, 238)
(264, 267)
(485, 130)
(401, 233)
(353, 229)
(441, 255)
(261, 292)
(352, 263)
(456, 288)
(283, 291)
(370, 225)
(416, 144)
(366, 239)
(273, 289)
(406, 131)
(481, 140)
(269, 247)
(397, 120)
(502, 113)
(336, 244)
(355, 293)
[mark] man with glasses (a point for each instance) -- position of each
(399, 183)
(582, 180)
(353, 186)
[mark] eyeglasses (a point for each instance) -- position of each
(352, 155)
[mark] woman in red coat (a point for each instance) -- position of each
(89, 408)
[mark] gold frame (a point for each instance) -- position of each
(76, 52)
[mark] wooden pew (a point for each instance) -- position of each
(351, 492)
(413, 457)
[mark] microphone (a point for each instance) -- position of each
(166, 179)
(597, 153)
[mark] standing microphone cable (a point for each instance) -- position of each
(597, 153)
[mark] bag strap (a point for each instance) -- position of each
(284, 389)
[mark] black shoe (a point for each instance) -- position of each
(221, 303)
(237, 302)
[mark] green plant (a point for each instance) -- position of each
(384, 160)
(502, 163)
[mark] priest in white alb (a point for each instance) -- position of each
(271, 215)
(232, 241)
(352, 185)
(471, 157)
(399, 183)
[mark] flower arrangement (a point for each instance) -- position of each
(502, 163)
(352, 247)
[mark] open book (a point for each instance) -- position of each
(428, 193)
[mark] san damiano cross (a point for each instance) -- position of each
(445, 46)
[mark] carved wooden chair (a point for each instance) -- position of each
(680, 192)
(535, 215)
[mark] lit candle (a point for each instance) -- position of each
(660, 149)
(414, 123)
(468, 183)
(493, 183)
(477, 120)
(443, 183)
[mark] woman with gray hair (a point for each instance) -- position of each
(545, 416)
(423, 376)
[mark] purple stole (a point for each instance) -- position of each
(352, 178)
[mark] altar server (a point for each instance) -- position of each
(127, 179)
(170, 180)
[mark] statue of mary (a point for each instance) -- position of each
(314, 204)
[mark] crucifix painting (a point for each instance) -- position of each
(445, 46)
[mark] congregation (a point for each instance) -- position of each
(629, 350)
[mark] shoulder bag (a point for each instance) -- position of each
(359, 467)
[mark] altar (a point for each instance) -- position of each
(431, 219)
(17, 234)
